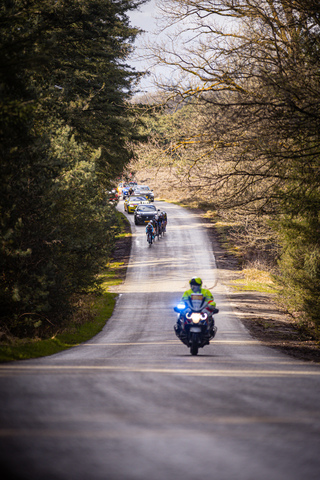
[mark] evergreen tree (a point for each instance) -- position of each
(64, 122)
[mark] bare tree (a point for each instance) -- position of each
(252, 69)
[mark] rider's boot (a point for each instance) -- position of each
(177, 328)
(213, 331)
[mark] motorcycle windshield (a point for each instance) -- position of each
(197, 301)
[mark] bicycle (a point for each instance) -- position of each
(149, 238)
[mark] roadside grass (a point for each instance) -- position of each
(22, 349)
(255, 280)
(224, 229)
(93, 311)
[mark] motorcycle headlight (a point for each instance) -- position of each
(196, 317)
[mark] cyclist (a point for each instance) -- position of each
(165, 220)
(155, 224)
(150, 230)
(160, 221)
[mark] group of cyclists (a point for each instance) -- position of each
(157, 226)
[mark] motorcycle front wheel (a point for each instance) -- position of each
(194, 344)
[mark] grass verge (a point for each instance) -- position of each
(255, 280)
(22, 349)
(90, 318)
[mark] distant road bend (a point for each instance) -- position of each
(133, 404)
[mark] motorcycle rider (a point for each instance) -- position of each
(196, 287)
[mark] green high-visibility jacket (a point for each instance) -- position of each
(206, 293)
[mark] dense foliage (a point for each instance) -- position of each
(64, 127)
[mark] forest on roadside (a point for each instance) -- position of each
(65, 127)
(233, 129)
(236, 131)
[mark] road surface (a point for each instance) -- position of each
(133, 404)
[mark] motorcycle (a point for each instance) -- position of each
(194, 327)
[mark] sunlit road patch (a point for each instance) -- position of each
(159, 370)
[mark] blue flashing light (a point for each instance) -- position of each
(181, 306)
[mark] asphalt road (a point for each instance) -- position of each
(133, 404)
